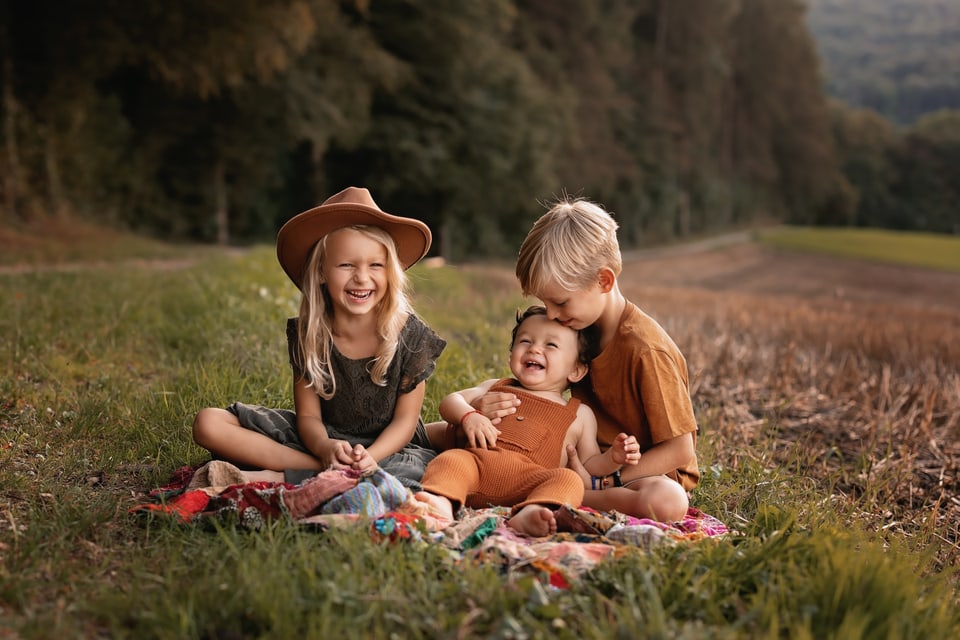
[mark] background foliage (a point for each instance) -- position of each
(216, 121)
(896, 57)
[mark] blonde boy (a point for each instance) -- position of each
(637, 384)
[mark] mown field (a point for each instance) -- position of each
(827, 389)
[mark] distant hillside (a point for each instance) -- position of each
(900, 58)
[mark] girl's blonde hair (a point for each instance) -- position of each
(316, 316)
(568, 245)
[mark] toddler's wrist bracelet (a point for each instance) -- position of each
(464, 416)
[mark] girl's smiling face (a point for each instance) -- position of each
(355, 271)
(545, 355)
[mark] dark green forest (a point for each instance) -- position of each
(900, 58)
(216, 121)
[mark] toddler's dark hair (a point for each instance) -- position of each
(586, 339)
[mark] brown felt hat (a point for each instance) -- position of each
(352, 206)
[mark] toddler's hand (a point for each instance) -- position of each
(625, 449)
(479, 431)
(496, 404)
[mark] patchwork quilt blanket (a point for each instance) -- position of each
(386, 510)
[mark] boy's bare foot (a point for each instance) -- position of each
(436, 510)
(534, 520)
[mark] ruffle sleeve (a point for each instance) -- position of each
(419, 348)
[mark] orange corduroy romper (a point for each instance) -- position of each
(523, 469)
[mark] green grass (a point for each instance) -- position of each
(934, 251)
(102, 371)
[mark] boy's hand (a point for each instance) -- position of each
(573, 462)
(496, 404)
(479, 431)
(625, 449)
(362, 460)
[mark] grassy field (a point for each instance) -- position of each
(827, 443)
(61, 243)
(936, 251)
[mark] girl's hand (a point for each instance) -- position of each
(625, 449)
(362, 460)
(496, 405)
(336, 454)
(479, 431)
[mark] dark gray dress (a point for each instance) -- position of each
(360, 410)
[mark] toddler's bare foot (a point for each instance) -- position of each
(534, 520)
(436, 510)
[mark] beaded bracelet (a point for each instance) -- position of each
(602, 480)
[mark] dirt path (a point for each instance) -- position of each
(734, 264)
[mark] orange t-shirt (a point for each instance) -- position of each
(638, 385)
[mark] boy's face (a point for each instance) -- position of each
(544, 356)
(574, 309)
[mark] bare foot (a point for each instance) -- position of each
(534, 520)
(436, 510)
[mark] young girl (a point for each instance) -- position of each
(360, 355)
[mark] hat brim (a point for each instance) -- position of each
(298, 236)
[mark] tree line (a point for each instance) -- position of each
(214, 121)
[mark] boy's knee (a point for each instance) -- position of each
(660, 499)
(668, 501)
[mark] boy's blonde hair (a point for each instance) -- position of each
(568, 245)
(316, 316)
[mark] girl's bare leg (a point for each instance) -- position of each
(219, 432)
(265, 475)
